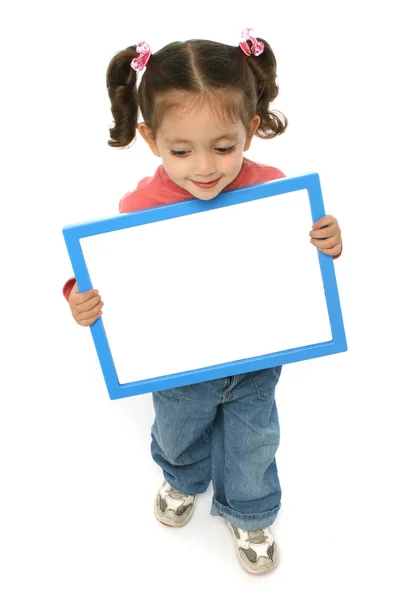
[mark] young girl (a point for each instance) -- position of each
(201, 103)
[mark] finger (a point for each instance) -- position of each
(85, 296)
(332, 251)
(328, 243)
(324, 222)
(89, 305)
(88, 322)
(324, 232)
(87, 314)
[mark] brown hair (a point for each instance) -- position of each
(198, 67)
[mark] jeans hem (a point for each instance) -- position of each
(249, 522)
(193, 490)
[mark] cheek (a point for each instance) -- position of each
(235, 161)
(172, 165)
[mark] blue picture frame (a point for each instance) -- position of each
(73, 234)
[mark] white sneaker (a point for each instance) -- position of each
(257, 550)
(172, 507)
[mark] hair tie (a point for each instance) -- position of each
(143, 57)
(256, 46)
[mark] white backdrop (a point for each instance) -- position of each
(77, 481)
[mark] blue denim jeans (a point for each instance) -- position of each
(225, 430)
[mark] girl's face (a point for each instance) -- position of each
(200, 152)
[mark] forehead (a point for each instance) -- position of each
(217, 110)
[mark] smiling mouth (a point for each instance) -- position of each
(208, 184)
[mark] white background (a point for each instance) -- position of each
(77, 481)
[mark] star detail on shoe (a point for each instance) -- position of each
(255, 544)
(172, 499)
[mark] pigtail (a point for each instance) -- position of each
(121, 87)
(273, 122)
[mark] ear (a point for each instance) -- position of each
(252, 128)
(148, 136)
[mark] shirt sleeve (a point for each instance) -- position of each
(66, 290)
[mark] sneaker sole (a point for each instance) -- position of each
(261, 571)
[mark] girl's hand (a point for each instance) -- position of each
(85, 307)
(326, 235)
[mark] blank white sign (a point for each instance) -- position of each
(210, 287)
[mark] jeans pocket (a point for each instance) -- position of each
(265, 381)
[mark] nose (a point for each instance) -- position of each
(204, 165)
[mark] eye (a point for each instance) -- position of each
(178, 152)
(225, 150)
